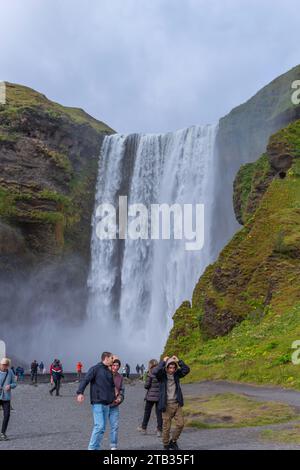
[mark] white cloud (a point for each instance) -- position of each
(148, 66)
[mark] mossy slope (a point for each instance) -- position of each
(245, 310)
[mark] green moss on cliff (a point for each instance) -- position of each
(250, 184)
(21, 97)
(289, 138)
(48, 161)
(247, 304)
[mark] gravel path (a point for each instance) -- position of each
(44, 422)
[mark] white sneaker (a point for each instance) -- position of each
(113, 448)
(141, 430)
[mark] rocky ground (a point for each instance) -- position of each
(40, 421)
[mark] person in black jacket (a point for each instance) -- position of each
(102, 394)
(34, 372)
(168, 373)
(151, 399)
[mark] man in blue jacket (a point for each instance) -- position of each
(7, 383)
(102, 394)
(168, 373)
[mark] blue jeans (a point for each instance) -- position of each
(100, 413)
(114, 425)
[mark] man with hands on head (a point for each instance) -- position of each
(168, 373)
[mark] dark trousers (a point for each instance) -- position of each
(147, 414)
(6, 414)
(56, 387)
(34, 376)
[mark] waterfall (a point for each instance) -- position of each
(136, 285)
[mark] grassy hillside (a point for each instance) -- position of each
(19, 97)
(245, 311)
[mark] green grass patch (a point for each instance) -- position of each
(252, 352)
(283, 436)
(229, 410)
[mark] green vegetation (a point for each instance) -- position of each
(57, 147)
(251, 352)
(290, 435)
(288, 138)
(21, 97)
(245, 311)
(32, 206)
(229, 410)
(60, 160)
(250, 177)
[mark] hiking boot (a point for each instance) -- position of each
(142, 430)
(51, 393)
(3, 437)
(173, 445)
(167, 447)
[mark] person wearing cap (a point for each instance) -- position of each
(168, 373)
(7, 383)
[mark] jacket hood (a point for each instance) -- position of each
(171, 361)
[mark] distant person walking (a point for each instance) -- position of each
(7, 383)
(137, 369)
(151, 399)
(102, 394)
(79, 367)
(142, 370)
(34, 372)
(168, 373)
(41, 367)
(127, 369)
(114, 412)
(56, 373)
(20, 373)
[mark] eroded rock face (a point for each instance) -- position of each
(216, 322)
(257, 272)
(243, 135)
(48, 170)
(279, 156)
(11, 241)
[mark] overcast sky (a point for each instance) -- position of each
(148, 65)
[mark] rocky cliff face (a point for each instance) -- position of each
(245, 310)
(243, 135)
(48, 169)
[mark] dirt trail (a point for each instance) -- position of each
(44, 422)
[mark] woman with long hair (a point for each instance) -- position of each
(151, 399)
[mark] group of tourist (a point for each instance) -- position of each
(163, 391)
(107, 392)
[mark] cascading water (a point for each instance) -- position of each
(136, 285)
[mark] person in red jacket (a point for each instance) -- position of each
(79, 368)
(56, 373)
